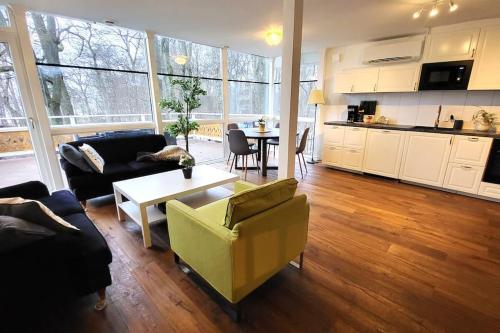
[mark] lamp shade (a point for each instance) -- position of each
(316, 97)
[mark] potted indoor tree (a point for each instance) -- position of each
(190, 92)
(187, 163)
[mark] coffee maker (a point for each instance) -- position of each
(352, 113)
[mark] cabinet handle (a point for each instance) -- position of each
(353, 151)
(355, 129)
(465, 167)
(352, 87)
(473, 139)
(386, 131)
(473, 53)
(375, 87)
(451, 140)
(415, 86)
(334, 127)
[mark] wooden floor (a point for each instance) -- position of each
(382, 256)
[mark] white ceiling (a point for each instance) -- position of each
(239, 23)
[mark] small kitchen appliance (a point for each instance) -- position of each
(352, 113)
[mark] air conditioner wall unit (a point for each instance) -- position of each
(394, 51)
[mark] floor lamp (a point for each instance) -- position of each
(315, 98)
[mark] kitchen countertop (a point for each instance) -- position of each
(471, 132)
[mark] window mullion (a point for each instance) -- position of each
(225, 96)
(154, 85)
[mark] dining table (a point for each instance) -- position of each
(262, 137)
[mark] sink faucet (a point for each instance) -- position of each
(436, 123)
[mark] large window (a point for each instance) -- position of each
(308, 82)
(248, 83)
(90, 73)
(179, 59)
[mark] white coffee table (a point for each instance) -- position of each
(145, 192)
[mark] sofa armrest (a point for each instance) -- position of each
(242, 185)
(28, 190)
(203, 245)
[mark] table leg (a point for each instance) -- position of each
(263, 154)
(259, 145)
(118, 201)
(146, 235)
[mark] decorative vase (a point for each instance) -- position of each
(262, 127)
(188, 173)
(480, 126)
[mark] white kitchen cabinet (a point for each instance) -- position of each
(343, 82)
(425, 158)
(355, 137)
(398, 78)
(332, 155)
(334, 135)
(361, 80)
(470, 150)
(489, 190)
(486, 69)
(365, 80)
(383, 152)
(451, 45)
(352, 158)
(463, 178)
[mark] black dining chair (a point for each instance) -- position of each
(238, 145)
(273, 142)
(234, 126)
(300, 150)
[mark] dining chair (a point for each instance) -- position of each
(273, 142)
(300, 150)
(234, 126)
(238, 145)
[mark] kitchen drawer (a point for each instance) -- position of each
(470, 150)
(489, 190)
(334, 135)
(355, 137)
(352, 158)
(332, 155)
(463, 178)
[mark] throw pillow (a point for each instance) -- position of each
(169, 153)
(92, 157)
(34, 212)
(16, 233)
(74, 157)
(254, 201)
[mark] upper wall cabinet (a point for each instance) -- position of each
(361, 80)
(486, 69)
(451, 45)
(400, 78)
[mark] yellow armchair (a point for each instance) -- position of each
(236, 261)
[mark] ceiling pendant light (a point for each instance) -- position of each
(273, 35)
(434, 11)
(417, 14)
(453, 6)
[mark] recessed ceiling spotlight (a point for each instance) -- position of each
(417, 14)
(434, 11)
(453, 6)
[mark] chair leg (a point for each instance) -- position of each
(257, 164)
(304, 160)
(232, 163)
(176, 259)
(101, 302)
(229, 158)
(245, 162)
(274, 151)
(300, 166)
(299, 265)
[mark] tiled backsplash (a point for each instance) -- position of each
(419, 108)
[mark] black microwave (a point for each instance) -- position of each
(451, 75)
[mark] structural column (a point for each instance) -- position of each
(225, 97)
(154, 85)
(290, 80)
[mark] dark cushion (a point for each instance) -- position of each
(123, 149)
(32, 212)
(62, 203)
(16, 233)
(28, 190)
(75, 157)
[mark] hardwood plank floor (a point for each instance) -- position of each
(382, 256)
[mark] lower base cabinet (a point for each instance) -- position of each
(332, 155)
(489, 190)
(463, 178)
(383, 152)
(352, 158)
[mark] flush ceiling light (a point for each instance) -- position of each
(181, 59)
(417, 14)
(273, 35)
(453, 6)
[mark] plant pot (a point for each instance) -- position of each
(262, 127)
(478, 126)
(188, 173)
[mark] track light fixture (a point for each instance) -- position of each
(433, 8)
